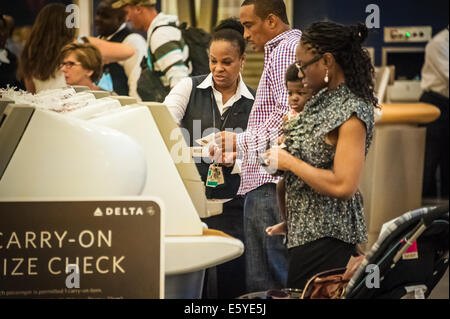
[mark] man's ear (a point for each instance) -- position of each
(271, 21)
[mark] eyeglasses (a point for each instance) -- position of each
(68, 64)
(303, 67)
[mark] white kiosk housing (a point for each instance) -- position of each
(106, 150)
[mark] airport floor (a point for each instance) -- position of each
(441, 291)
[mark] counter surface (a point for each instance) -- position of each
(409, 113)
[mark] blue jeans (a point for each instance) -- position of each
(266, 257)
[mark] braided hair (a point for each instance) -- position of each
(345, 44)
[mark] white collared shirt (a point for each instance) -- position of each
(178, 98)
(4, 57)
(435, 69)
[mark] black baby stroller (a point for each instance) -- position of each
(411, 256)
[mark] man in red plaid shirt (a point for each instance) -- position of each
(267, 30)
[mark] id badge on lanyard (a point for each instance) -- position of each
(215, 176)
(215, 171)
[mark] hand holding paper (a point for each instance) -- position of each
(226, 159)
(226, 141)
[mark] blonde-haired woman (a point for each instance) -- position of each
(81, 64)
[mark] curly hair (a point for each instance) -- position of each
(345, 44)
(291, 74)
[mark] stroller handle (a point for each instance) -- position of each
(434, 214)
(426, 222)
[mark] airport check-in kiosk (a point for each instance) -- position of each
(113, 149)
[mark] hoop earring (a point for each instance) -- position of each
(327, 79)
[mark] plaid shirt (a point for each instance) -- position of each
(271, 105)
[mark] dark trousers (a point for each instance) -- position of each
(309, 259)
(227, 280)
(437, 150)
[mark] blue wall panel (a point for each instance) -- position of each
(392, 13)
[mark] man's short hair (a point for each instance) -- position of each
(122, 14)
(265, 7)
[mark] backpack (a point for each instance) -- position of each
(150, 87)
(198, 42)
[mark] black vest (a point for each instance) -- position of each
(200, 108)
(118, 75)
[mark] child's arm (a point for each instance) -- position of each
(281, 196)
(281, 228)
(277, 230)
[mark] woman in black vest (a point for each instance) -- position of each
(211, 103)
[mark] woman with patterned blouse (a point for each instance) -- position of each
(326, 149)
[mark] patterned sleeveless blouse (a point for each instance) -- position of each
(312, 216)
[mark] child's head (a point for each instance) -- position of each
(297, 92)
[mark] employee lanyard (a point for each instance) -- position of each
(222, 127)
